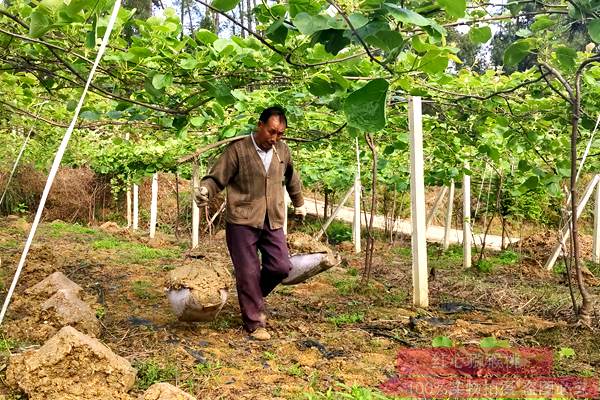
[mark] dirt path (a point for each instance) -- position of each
(434, 233)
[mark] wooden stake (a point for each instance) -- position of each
(448, 225)
(334, 214)
(467, 219)
(565, 231)
(154, 205)
(436, 204)
(596, 247)
(357, 190)
(195, 208)
(417, 192)
(135, 219)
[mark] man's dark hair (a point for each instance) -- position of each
(273, 111)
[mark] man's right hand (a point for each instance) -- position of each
(201, 196)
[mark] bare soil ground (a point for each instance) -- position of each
(328, 332)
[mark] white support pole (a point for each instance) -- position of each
(467, 219)
(357, 190)
(286, 202)
(154, 205)
(596, 247)
(436, 204)
(334, 214)
(417, 196)
(195, 208)
(589, 190)
(128, 196)
(448, 225)
(136, 203)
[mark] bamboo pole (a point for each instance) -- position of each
(417, 193)
(357, 190)
(448, 224)
(596, 247)
(467, 219)
(565, 230)
(334, 214)
(195, 208)
(436, 204)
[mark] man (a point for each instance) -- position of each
(256, 171)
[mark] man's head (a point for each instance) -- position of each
(270, 128)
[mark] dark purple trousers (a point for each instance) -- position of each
(253, 282)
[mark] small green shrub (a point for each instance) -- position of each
(144, 290)
(150, 372)
(344, 319)
(339, 232)
(484, 266)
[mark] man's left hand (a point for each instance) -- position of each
(300, 212)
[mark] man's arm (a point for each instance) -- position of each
(221, 173)
(293, 183)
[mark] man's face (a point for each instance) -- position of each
(270, 132)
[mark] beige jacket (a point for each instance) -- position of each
(253, 193)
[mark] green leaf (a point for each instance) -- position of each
(492, 343)
(90, 115)
(205, 36)
(365, 107)
(407, 16)
(39, 23)
(321, 86)
(277, 32)
(441, 341)
(516, 52)
(188, 63)
(333, 39)
(542, 22)
(531, 183)
(454, 8)
(308, 6)
(161, 81)
(434, 62)
(225, 5)
(90, 39)
(308, 24)
(566, 352)
(480, 35)
(139, 51)
(197, 121)
(566, 57)
(594, 30)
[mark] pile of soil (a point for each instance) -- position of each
(538, 247)
(299, 242)
(73, 366)
(48, 306)
(165, 391)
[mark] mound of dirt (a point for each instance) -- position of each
(71, 366)
(198, 289)
(299, 242)
(538, 248)
(50, 305)
(165, 391)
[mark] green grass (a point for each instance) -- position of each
(144, 290)
(345, 319)
(62, 229)
(150, 372)
(8, 244)
(208, 369)
(131, 252)
(347, 392)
